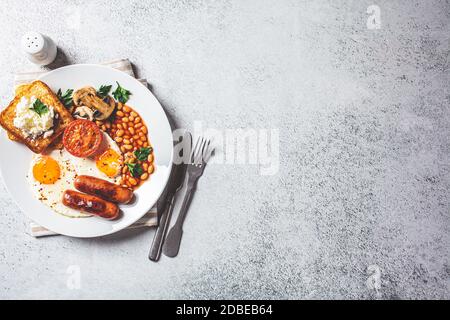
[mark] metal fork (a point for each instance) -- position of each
(195, 171)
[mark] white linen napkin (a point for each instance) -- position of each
(151, 218)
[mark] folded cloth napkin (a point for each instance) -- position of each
(150, 219)
(123, 65)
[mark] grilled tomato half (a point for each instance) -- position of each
(82, 138)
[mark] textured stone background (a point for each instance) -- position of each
(364, 138)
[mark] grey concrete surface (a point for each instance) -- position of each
(364, 124)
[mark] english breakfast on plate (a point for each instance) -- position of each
(90, 149)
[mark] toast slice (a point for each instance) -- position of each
(19, 89)
(41, 91)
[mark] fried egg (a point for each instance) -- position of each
(53, 173)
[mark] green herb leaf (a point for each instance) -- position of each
(103, 91)
(142, 153)
(39, 107)
(121, 94)
(66, 98)
(135, 169)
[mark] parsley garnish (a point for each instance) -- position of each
(103, 91)
(135, 169)
(65, 98)
(121, 94)
(39, 107)
(142, 153)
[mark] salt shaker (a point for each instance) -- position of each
(39, 48)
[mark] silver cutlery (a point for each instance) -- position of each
(176, 182)
(195, 169)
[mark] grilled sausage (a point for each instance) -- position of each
(90, 204)
(103, 189)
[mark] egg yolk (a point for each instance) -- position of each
(109, 162)
(46, 170)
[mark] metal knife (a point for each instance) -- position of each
(176, 182)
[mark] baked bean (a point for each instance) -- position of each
(133, 181)
(137, 125)
(140, 143)
(120, 133)
(145, 166)
(150, 158)
(120, 114)
(128, 147)
(131, 118)
(126, 109)
(125, 119)
(134, 114)
(143, 138)
(118, 139)
(137, 120)
(136, 137)
(122, 148)
(119, 106)
(119, 126)
(144, 129)
(126, 136)
(150, 169)
(124, 125)
(126, 141)
(145, 144)
(141, 134)
(124, 169)
(131, 130)
(144, 176)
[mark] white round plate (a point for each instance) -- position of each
(15, 158)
